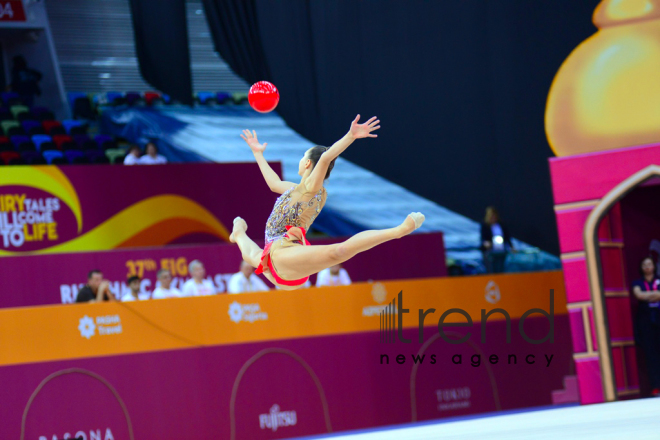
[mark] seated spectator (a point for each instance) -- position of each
(245, 281)
(134, 286)
(151, 156)
(333, 276)
(133, 156)
(164, 290)
(96, 290)
(197, 285)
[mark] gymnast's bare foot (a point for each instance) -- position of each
(412, 222)
(239, 228)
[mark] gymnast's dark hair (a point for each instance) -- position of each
(315, 154)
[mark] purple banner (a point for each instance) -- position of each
(54, 279)
(285, 388)
(50, 209)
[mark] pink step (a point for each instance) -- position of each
(569, 394)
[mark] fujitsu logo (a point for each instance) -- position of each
(277, 418)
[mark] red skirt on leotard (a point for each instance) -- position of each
(288, 240)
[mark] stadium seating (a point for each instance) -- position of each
(20, 110)
(42, 114)
(30, 157)
(10, 98)
(5, 144)
(223, 98)
(32, 127)
(7, 156)
(82, 107)
(150, 98)
(53, 127)
(205, 98)
(73, 126)
(7, 126)
(133, 98)
(72, 155)
(115, 155)
(52, 154)
(33, 136)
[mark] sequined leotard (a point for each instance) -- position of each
(293, 214)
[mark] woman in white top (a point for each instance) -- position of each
(133, 156)
(197, 285)
(164, 290)
(151, 156)
(333, 276)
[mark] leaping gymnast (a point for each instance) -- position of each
(288, 259)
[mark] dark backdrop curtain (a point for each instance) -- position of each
(460, 88)
(161, 43)
(235, 34)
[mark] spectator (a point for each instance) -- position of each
(333, 276)
(133, 156)
(164, 290)
(197, 285)
(134, 289)
(25, 81)
(96, 290)
(495, 242)
(245, 281)
(647, 320)
(151, 156)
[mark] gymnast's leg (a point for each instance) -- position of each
(297, 262)
(250, 251)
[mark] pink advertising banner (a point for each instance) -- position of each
(282, 389)
(55, 279)
(50, 209)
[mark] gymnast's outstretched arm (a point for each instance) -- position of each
(357, 131)
(272, 179)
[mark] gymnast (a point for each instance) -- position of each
(288, 259)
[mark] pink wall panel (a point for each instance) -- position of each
(577, 330)
(570, 225)
(576, 280)
(574, 179)
(591, 387)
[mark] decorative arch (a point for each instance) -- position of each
(85, 373)
(251, 361)
(413, 373)
(594, 270)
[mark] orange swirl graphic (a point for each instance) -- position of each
(151, 222)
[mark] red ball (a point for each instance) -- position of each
(263, 97)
